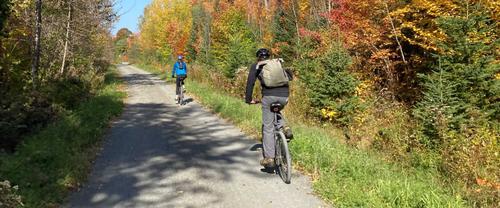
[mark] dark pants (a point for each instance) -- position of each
(178, 82)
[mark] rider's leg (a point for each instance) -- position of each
(177, 87)
(282, 121)
(268, 142)
(283, 101)
(182, 84)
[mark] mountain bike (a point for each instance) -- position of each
(283, 159)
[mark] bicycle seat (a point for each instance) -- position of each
(276, 107)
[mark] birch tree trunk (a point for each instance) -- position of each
(67, 39)
(295, 15)
(394, 33)
(38, 32)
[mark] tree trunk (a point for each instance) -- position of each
(67, 39)
(38, 33)
(395, 34)
(295, 15)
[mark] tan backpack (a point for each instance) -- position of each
(272, 73)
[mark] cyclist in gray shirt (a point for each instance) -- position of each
(269, 95)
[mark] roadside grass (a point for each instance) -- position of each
(48, 165)
(342, 175)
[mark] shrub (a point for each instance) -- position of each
(68, 92)
(21, 114)
(8, 196)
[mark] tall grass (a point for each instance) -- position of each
(57, 159)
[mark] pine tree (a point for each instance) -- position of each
(284, 32)
(333, 86)
(464, 80)
(233, 43)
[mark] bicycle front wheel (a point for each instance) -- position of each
(283, 158)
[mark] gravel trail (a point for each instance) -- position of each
(158, 154)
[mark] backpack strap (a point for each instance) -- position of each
(181, 65)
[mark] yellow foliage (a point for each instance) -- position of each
(303, 8)
(166, 26)
(328, 114)
(365, 88)
(420, 17)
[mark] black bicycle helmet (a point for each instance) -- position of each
(263, 53)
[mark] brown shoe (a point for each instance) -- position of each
(288, 133)
(267, 162)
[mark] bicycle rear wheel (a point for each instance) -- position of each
(181, 96)
(283, 158)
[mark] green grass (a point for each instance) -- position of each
(343, 176)
(48, 165)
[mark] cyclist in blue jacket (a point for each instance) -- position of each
(180, 69)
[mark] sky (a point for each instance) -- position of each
(129, 12)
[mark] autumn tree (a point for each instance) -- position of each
(121, 42)
(165, 29)
(73, 36)
(232, 42)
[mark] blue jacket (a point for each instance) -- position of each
(179, 69)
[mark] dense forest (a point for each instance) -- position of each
(416, 80)
(53, 56)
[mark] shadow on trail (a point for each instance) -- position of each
(188, 100)
(159, 152)
(256, 147)
(140, 79)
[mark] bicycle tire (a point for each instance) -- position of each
(181, 96)
(283, 158)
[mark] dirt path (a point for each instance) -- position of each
(158, 154)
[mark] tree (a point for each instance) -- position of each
(38, 31)
(4, 13)
(41, 38)
(66, 40)
(121, 42)
(232, 42)
(284, 32)
(165, 29)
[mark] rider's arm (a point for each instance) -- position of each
(252, 77)
(173, 69)
(186, 66)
